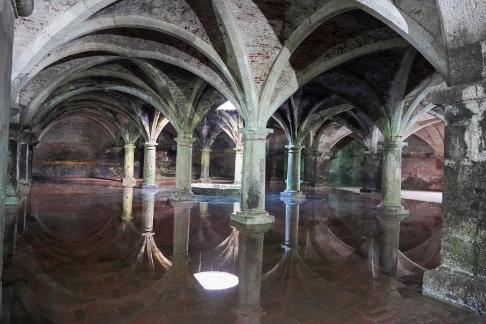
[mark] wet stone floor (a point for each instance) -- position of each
(93, 254)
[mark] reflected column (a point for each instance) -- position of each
(149, 247)
(292, 214)
(127, 204)
(389, 241)
(182, 220)
(250, 261)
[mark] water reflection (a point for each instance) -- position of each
(117, 256)
(146, 247)
(250, 256)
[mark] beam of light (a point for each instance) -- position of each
(227, 106)
(216, 280)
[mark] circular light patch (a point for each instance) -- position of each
(216, 280)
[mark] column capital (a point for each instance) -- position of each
(292, 147)
(151, 144)
(461, 93)
(129, 146)
(184, 140)
(239, 148)
(394, 141)
(251, 229)
(206, 149)
(256, 133)
(183, 204)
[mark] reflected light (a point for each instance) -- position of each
(216, 280)
(227, 106)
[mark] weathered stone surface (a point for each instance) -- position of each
(461, 277)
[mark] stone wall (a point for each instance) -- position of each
(346, 167)
(77, 147)
(422, 169)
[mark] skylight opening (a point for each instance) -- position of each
(216, 280)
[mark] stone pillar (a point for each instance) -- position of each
(238, 164)
(371, 169)
(24, 165)
(129, 165)
(183, 190)
(6, 41)
(149, 166)
(205, 162)
(253, 181)
(12, 192)
(250, 255)
(389, 241)
(392, 174)
(390, 211)
(127, 204)
(293, 172)
(461, 277)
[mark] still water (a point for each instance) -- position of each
(92, 254)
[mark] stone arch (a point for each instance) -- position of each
(385, 11)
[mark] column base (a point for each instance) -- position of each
(455, 288)
(12, 198)
(182, 196)
(205, 180)
(292, 194)
(292, 200)
(129, 182)
(249, 217)
(395, 213)
(150, 186)
(150, 191)
(367, 190)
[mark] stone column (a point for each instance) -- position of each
(293, 172)
(461, 277)
(6, 41)
(24, 164)
(183, 190)
(371, 168)
(238, 164)
(253, 181)
(129, 165)
(11, 192)
(127, 204)
(149, 166)
(250, 255)
(392, 174)
(390, 211)
(205, 162)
